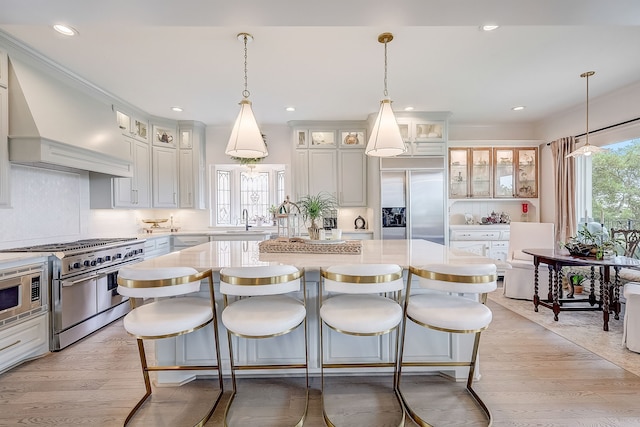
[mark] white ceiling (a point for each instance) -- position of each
(323, 57)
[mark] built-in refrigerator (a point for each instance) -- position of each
(413, 201)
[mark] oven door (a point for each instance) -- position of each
(107, 288)
(79, 300)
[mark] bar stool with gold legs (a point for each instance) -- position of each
(256, 306)
(169, 315)
(362, 300)
(446, 309)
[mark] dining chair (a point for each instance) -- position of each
(519, 280)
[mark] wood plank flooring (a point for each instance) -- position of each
(530, 377)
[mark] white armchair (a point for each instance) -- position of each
(519, 280)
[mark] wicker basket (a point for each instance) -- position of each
(353, 247)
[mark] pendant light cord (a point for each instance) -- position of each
(386, 93)
(245, 92)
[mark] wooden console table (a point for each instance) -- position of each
(610, 291)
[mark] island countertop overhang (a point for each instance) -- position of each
(220, 254)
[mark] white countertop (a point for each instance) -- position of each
(478, 226)
(220, 254)
(232, 231)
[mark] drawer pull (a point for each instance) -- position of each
(10, 345)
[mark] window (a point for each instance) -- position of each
(615, 184)
(236, 188)
(608, 185)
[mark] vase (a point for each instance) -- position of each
(314, 233)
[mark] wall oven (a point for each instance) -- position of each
(83, 289)
(20, 293)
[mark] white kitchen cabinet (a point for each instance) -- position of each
(475, 247)
(5, 167)
(300, 174)
(182, 241)
(135, 192)
(486, 240)
(4, 69)
(197, 348)
(132, 126)
(192, 171)
(422, 130)
(329, 157)
(156, 246)
(323, 171)
(352, 178)
(165, 177)
(23, 341)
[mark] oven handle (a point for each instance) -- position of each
(66, 284)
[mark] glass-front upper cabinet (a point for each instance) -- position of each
(470, 171)
(516, 172)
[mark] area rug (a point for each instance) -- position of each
(583, 328)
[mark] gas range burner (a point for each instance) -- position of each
(71, 246)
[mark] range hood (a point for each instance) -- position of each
(54, 124)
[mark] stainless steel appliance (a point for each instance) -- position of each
(413, 199)
(20, 293)
(83, 288)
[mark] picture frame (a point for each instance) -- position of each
(164, 136)
(301, 139)
(353, 138)
(322, 139)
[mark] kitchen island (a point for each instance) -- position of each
(196, 348)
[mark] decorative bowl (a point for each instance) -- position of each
(581, 249)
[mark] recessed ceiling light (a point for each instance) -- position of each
(408, 108)
(489, 27)
(290, 109)
(65, 30)
(518, 108)
(178, 109)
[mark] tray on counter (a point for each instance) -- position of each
(310, 247)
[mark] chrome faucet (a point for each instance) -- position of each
(245, 216)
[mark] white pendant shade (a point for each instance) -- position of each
(246, 140)
(385, 139)
(586, 150)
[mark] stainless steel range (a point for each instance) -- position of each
(83, 289)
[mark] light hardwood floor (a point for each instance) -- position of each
(530, 377)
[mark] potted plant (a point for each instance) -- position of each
(313, 207)
(575, 280)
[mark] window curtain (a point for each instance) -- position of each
(565, 191)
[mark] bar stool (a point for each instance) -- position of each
(260, 309)
(445, 309)
(631, 329)
(363, 301)
(169, 315)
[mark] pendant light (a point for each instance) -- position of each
(385, 139)
(587, 149)
(246, 139)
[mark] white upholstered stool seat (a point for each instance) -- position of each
(258, 304)
(360, 300)
(454, 302)
(449, 313)
(631, 331)
(168, 317)
(263, 316)
(167, 313)
(361, 314)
